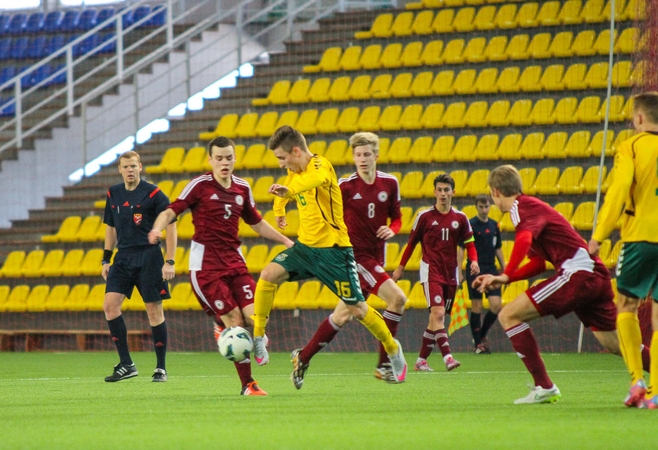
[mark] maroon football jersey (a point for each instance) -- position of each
(216, 213)
(439, 235)
(553, 238)
(367, 207)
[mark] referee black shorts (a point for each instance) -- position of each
(141, 269)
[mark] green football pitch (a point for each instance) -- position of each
(59, 400)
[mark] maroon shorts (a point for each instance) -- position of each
(371, 274)
(589, 295)
(439, 294)
(220, 292)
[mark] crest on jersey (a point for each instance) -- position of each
(219, 304)
(239, 200)
(382, 196)
(437, 299)
(379, 269)
(281, 257)
(137, 218)
(455, 224)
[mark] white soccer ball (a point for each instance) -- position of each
(235, 344)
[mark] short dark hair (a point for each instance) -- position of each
(482, 198)
(221, 142)
(287, 137)
(648, 103)
(445, 179)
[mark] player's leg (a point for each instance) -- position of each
(273, 275)
(395, 300)
(476, 322)
(652, 392)
(514, 318)
(490, 318)
(159, 334)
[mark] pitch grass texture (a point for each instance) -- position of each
(60, 401)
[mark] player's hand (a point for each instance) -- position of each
(594, 247)
(385, 233)
(484, 283)
(155, 236)
(279, 190)
(168, 272)
(105, 271)
(475, 268)
(281, 222)
(397, 274)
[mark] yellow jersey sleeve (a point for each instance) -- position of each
(279, 206)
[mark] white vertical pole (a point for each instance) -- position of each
(238, 26)
(69, 79)
(83, 117)
(119, 20)
(19, 112)
(170, 24)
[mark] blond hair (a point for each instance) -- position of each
(129, 154)
(365, 138)
(507, 180)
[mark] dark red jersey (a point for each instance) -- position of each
(216, 213)
(366, 208)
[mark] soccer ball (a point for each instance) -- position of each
(235, 344)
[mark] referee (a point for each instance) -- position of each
(130, 210)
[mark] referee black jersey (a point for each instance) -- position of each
(132, 213)
(487, 240)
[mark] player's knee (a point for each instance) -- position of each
(341, 318)
(397, 302)
(476, 306)
(274, 273)
(437, 314)
(627, 304)
(505, 319)
(495, 305)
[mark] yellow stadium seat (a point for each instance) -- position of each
(576, 147)
(588, 110)
(307, 121)
(71, 264)
(287, 118)
(185, 227)
(416, 299)
(506, 17)
(464, 149)
(513, 290)
(590, 181)
(195, 160)
(66, 232)
(528, 176)
(31, 266)
(527, 16)
(52, 264)
(617, 113)
(542, 112)
(284, 298)
(570, 180)
(401, 86)
(266, 124)
(256, 259)
(628, 41)
(432, 53)
(474, 50)
(402, 25)
(4, 294)
(36, 300)
(636, 10)
(384, 145)
(327, 121)
(518, 47)
(176, 191)
(246, 125)
(570, 12)
(260, 190)
(477, 183)
(179, 297)
(56, 298)
(308, 294)
(551, 79)
(454, 115)
(583, 44)
(336, 152)
(484, 19)
(546, 182)
(442, 150)
(533, 146)
(519, 113)
(529, 79)
(464, 20)
(96, 298)
(460, 176)
(510, 147)
(574, 77)
(171, 161)
(495, 49)
(292, 219)
(596, 144)
(319, 91)
(317, 147)
(561, 45)
(392, 256)
(358, 90)
(508, 80)
(604, 251)
(427, 188)
(253, 157)
(597, 76)
(465, 82)
(592, 11)
(565, 208)
(410, 118)
(487, 148)
(565, 110)
(225, 127)
(380, 86)
(278, 94)
(638, 74)
(432, 116)
(621, 137)
(17, 299)
(475, 115)
(411, 184)
(443, 21)
(621, 74)
(602, 43)
(414, 260)
(390, 118)
(554, 147)
(411, 55)
(611, 262)
(421, 150)
(381, 27)
(539, 46)
(76, 298)
(340, 89)
(422, 84)
(89, 264)
(583, 216)
(399, 151)
(442, 84)
(422, 23)
(347, 121)
(88, 230)
(352, 57)
(486, 81)
(548, 13)
(453, 53)
(328, 63)
(299, 91)
(390, 57)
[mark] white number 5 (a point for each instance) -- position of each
(228, 211)
(247, 290)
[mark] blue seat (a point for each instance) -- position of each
(40, 75)
(17, 24)
(36, 47)
(52, 22)
(160, 17)
(126, 18)
(53, 43)
(110, 47)
(26, 78)
(103, 15)
(87, 20)
(60, 78)
(7, 74)
(141, 12)
(18, 48)
(35, 23)
(70, 21)
(4, 24)
(87, 45)
(5, 45)
(7, 110)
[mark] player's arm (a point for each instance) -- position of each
(108, 249)
(315, 176)
(164, 220)
(279, 209)
(168, 270)
(394, 214)
(615, 198)
(469, 245)
(501, 259)
(268, 232)
(460, 264)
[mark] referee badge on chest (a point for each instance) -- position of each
(137, 218)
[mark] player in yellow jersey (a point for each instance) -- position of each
(633, 196)
(323, 249)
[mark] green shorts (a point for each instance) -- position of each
(637, 275)
(333, 266)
